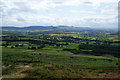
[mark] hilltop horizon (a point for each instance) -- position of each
(59, 27)
(115, 28)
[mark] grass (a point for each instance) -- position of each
(26, 63)
(54, 55)
(53, 62)
(70, 46)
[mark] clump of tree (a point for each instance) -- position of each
(6, 44)
(36, 47)
(101, 49)
(41, 46)
(12, 46)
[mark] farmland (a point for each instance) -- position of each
(48, 54)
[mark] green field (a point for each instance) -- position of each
(24, 63)
(60, 55)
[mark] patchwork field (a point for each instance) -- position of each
(39, 54)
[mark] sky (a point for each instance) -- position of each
(78, 13)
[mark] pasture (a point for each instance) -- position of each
(41, 54)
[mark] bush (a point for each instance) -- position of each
(12, 46)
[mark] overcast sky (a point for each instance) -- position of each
(80, 13)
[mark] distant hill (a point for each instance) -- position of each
(54, 28)
(71, 28)
(29, 28)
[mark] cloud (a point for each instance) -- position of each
(82, 12)
(109, 11)
(57, 12)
